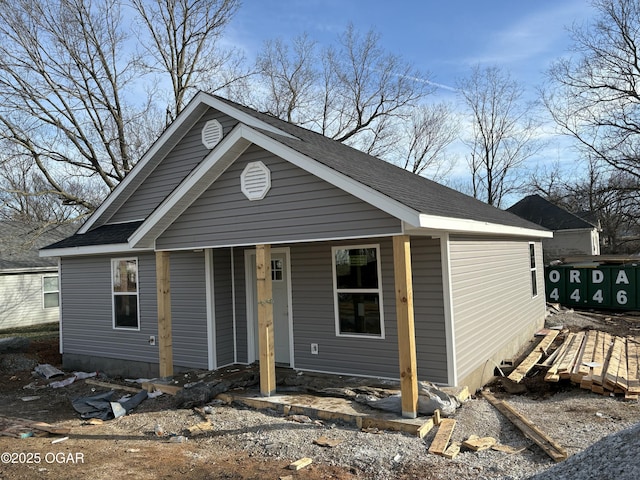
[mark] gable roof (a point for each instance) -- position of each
(541, 211)
(419, 202)
(20, 243)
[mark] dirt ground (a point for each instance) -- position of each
(128, 446)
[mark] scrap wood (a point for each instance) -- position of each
(441, 440)
(327, 442)
(632, 365)
(452, 450)
(111, 386)
(552, 373)
(551, 448)
(201, 427)
(534, 357)
(298, 464)
(477, 444)
(13, 427)
(567, 364)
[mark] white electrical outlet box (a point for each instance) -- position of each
(152, 340)
(314, 349)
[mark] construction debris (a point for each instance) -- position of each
(595, 360)
(551, 448)
(299, 464)
(441, 440)
(327, 442)
(477, 444)
(23, 428)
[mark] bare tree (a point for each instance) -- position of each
(430, 130)
(353, 91)
(62, 78)
(184, 44)
(502, 132)
(71, 107)
(291, 77)
(594, 94)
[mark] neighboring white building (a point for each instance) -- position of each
(572, 234)
(29, 292)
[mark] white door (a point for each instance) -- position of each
(281, 295)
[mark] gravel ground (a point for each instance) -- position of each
(246, 443)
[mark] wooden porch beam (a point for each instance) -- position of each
(165, 339)
(406, 327)
(265, 321)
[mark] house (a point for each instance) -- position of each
(239, 238)
(28, 283)
(573, 234)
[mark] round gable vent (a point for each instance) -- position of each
(255, 181)
(211, 133)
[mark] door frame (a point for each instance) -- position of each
(250, 285)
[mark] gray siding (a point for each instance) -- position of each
(21, 300)
(241, 304)
(314, 317)
(87, 323)
(223, 297)
(171, 171)
(492, 299)
(431, 343)
(299, 206)
(189, 309)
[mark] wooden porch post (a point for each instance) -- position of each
(165, 339)
(265, 321)
(406, 328)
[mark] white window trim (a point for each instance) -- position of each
(44, 292)
(533, 269)
(378, 290)
(114, 294)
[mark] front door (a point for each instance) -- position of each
(281, 295)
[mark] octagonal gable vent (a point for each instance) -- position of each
(255, 181)
(211, 133)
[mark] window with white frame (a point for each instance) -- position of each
(533, 269)
(124, 277)
(50, 291)
(358, 290)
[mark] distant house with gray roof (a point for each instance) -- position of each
(241, 238)
(573, 234)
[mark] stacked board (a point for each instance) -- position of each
(597, 361)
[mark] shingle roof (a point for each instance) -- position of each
(414, 191)
(103, 235)
(538, 210)
(20, 243)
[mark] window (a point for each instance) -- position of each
(276, 270)
(124, 276)
(50, 292)
(532, 266)
(358, 291)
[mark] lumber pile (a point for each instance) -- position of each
(595, 360)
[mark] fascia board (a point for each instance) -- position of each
(461, 225)
(114, 248)
(200, 178)
(334, 177)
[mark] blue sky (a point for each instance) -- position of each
(442, 37)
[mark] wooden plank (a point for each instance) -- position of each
(603, 352)
(441, 440)
(165, 339)
(622, 380)
(113, 386)
(579, 370)
(265, 321)
(552, 373)
(161, 387)
(569, 361)
(452, 450)
(584, 373)
(299, 464)
(610, 376)
(425, 428)
(534, 357)
(531, 431)
(632, 365)
(477, 444)
(406, 326)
